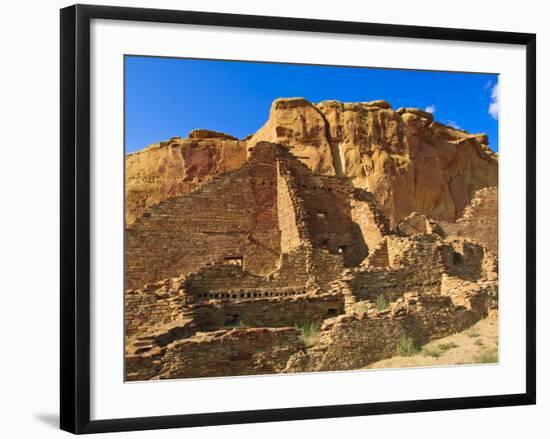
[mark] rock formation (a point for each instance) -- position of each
(407, 160)
(410, 162)
(178, 166)
(319, 243)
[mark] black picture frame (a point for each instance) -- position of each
(75, 217)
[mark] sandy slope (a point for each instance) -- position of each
(478, 344)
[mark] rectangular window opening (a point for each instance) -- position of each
(234, 260)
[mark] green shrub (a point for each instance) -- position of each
(436, 351)
(446, 346)
(382, 302)
(478, 342)
(406, 346)
(431, 352)
(487, 357)
(309, 332)
(472, 332)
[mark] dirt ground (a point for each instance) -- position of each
(478, 344)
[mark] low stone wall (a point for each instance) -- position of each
(156, 304)
(222, 353)
(346, 342)
(354, 341)
(422, 252)
(266, 312)
(479, 295)
(417, 264)
(393, 282)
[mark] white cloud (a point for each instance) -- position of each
(453, 124)
(430, 109)
(493, 105)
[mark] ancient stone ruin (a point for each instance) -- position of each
(364, 223)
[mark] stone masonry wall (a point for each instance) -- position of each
(222, 353)
(392, 282)
(466, 260)
(158, 304)
(345, 342)
(379, 257)
(418, 264)
(353, 341)
(182, 234)
(342, 220)
(479, 220)
(223, 278)
(272, 311)
(286, 211)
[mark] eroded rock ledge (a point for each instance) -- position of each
(409, 161)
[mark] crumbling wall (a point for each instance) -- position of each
(420, 251)
(353, 341)
(471, 295)
(272, 309)
(342, 220)
(270, 206)
(405, 264)
(414, 224)
(176, 167)
(417, 263)
(222, 353)
(371, 283)
(490, 266)
(466, 260)
(379, 257)
(152, 306)
(345, 342)
(365, 213)
(291, 273)
(287, 215)
(233, 216)
(479, 220)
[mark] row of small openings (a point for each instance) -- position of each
(248, 295)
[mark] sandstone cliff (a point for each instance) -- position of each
(410, 162)
(407, 160)
(178, 166)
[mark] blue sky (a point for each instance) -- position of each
(168, 97)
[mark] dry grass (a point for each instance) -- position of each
(406, 346)
(309, 333)
(476, 345)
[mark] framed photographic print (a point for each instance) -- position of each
(269, 218)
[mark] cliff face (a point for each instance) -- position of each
(178, 166)
(407, 160)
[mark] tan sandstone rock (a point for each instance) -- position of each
(300, 126)
(407, 160)
(410, 162)
(178, 166)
